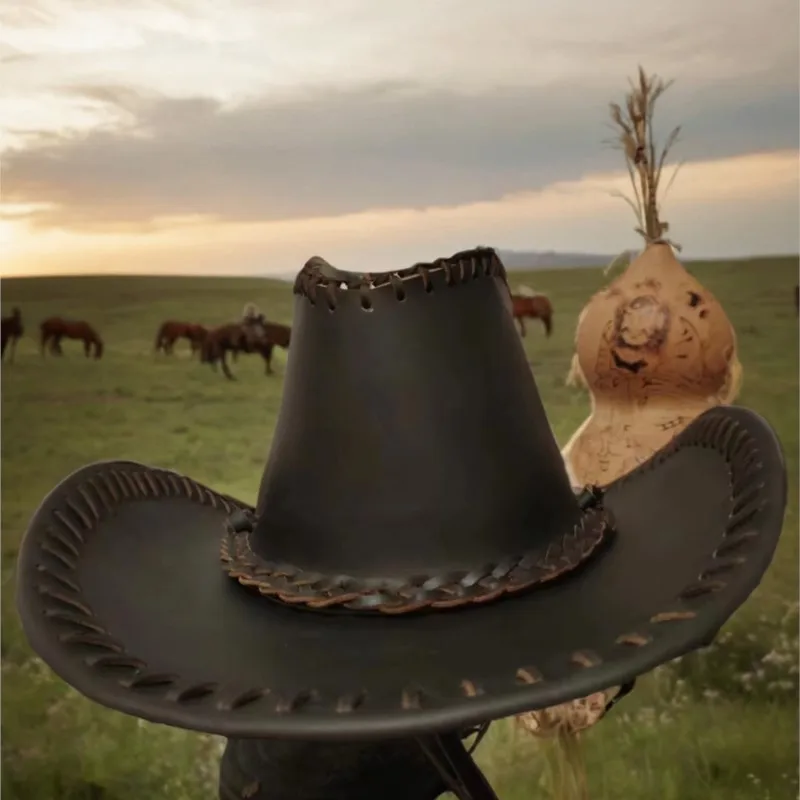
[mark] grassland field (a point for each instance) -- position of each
(721, 724)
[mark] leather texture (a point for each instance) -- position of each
(412, 452)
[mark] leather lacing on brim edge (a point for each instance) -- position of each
(85, 505)
(314, 285)
(295, 586)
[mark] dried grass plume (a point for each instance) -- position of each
(633, 123)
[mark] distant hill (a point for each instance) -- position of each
(516, 260)
(549, 259)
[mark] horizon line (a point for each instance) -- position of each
(282, 276)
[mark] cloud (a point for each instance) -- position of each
(245, 46)
(257, 112)
(325, 152)
(725, 208)
(15, 58)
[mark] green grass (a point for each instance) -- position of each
(718, 725)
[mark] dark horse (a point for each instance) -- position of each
(533, 306)
(244, 336)
(12, 331)
(274, 334)
(54, 329)
(172, 330)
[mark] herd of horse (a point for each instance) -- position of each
(252, 334)
(52, 331)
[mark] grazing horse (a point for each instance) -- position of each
(530, 304)
(245, 335)
(54, 329)
(274, 334)
(171, 330)
(12, 331)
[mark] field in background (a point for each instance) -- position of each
(718, 725)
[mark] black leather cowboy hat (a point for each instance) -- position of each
(417, 561)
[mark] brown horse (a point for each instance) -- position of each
(54, 329)
(532, 305)
(171, 330)
(12, 331)
(244, 336)
(275, 334)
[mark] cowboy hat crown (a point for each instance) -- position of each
(412, 462)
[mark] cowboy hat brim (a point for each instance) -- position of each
(121, 592)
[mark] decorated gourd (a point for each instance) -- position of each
(654, 348)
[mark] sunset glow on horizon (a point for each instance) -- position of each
(173, 138)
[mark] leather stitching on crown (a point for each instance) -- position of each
(459, 268)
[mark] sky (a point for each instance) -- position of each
(194, 136)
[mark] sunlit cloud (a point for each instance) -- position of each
(194, 136)
(333, 153)
(738, 190)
